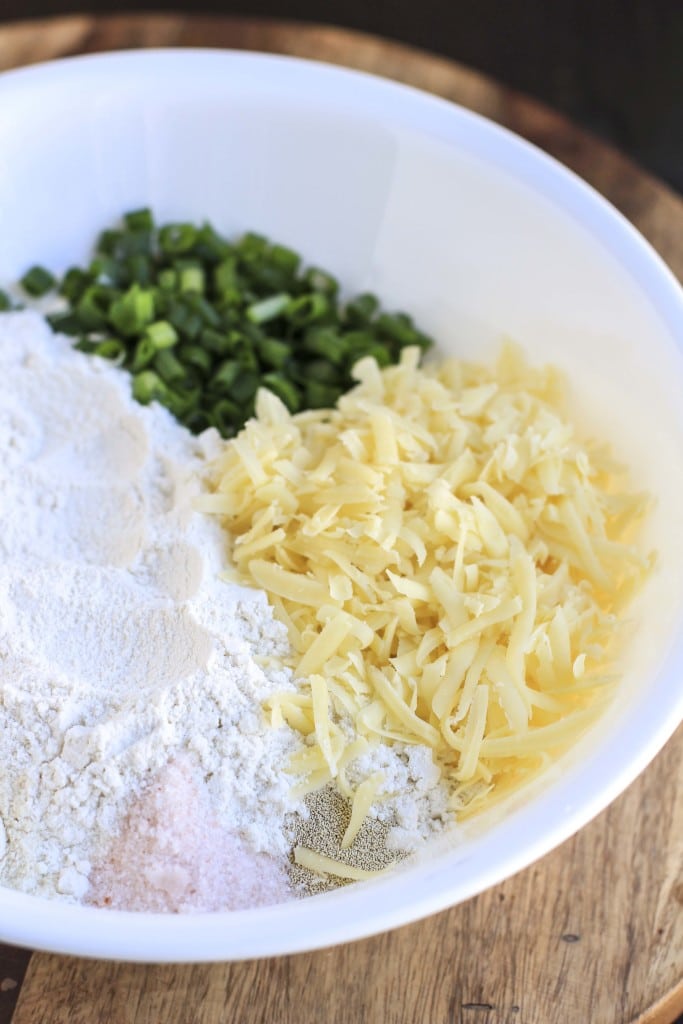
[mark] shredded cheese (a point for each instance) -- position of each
(327, 866)
(449, 561)
(363, 799)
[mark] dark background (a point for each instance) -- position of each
(615, 66)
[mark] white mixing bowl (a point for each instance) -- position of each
(478, 235)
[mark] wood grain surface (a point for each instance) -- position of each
(593, 933)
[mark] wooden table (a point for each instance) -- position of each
(593, 933)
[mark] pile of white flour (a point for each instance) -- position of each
(121, 650)
(119, 645)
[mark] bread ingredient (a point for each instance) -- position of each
(120, 649)
(450, 562)
(171, 853)
(201, 322)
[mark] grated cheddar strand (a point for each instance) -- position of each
(449, 561)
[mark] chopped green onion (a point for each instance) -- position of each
(177, 238)
(244, 351)
(74, 283)
(65, 323)
(197, 420)
(196, 357)
(321, 396)
(273, 352)
(325, 342)
(209, 246)
(103, 270)
(360, 311)
(138, 268)
(186, 322)
(268, 309)
(169, 368)
(380, 353)
(86, 345)
(226, 375)
(320, 281)
(108, 241)
(92, 308)
(143, 355)
(131, 313)
(180, 403)
(285, 389)
(147, 386)
(226, 417)
(216, 342)
(245, 386)
(198, 304)
(139, 220)
(286, 259)
(307, 309)
(357, 343)
(38, 281)
(110, 348)
(321, 371)
(168, 279)
(192, 279)
(398, 327)
(225, 279)
(202, 322)
(162, 334)
(134, 243)
(252, 247)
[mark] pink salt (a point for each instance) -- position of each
(173, 855)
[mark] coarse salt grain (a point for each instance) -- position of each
(172, 854)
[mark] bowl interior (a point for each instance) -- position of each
(476, 234)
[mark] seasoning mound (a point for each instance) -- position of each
(322, 832)
(172, 854)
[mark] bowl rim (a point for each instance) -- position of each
(364, 909)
